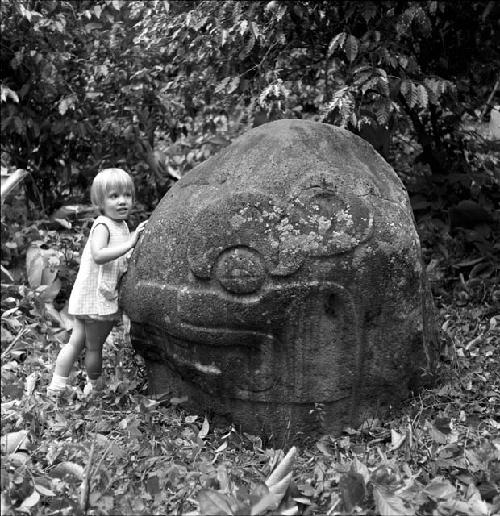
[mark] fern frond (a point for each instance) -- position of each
(422, 96)
(336, 42)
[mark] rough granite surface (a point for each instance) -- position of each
(283, 272)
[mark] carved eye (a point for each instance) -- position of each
(240, 270)
(328, 224)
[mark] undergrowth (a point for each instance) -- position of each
(439, 454)
(127, 453)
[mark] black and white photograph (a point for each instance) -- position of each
(250, 257)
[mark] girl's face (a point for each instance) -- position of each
(117, 204)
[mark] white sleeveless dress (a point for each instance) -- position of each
(95, 291)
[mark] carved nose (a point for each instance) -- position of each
(240, 270)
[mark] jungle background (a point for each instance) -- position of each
(157, 87)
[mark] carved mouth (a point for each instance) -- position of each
(213, 317)
(200, 356)
(235, 344)
(219, 336)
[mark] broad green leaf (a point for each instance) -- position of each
(35, 265)
(248, 47)
(222, 85)
(283, 468)
(7, 92)
(270, 5)
(205, 427)
(7, 336)
(279, 488)
(389, 504)
(358, 467)
(19, 459)
(336, 42)
(64, 223)
(233, 84)
(351, 47)
(31, 501)
(68, 470)
(212, 502)
(397, 439)
(268, 502)
(222, 447)
(323, 448)
(478, 506)
(436, 434)
(362, 68)
(440, 488)
(383, 85)
(14, 440)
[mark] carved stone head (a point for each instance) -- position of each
(283, 272)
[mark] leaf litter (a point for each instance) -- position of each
(130, 453)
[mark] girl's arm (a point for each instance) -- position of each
(100, 239)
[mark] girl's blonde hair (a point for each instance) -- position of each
(107, 180)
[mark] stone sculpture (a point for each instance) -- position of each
(282, 273)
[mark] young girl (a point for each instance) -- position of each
(94, 298)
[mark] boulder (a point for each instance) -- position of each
(280, 283)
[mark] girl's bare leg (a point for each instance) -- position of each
(72, 350)
(96, 333)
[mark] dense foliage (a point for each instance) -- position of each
(159, 86)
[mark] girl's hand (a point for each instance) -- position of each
(137, 233)
(101, 253)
